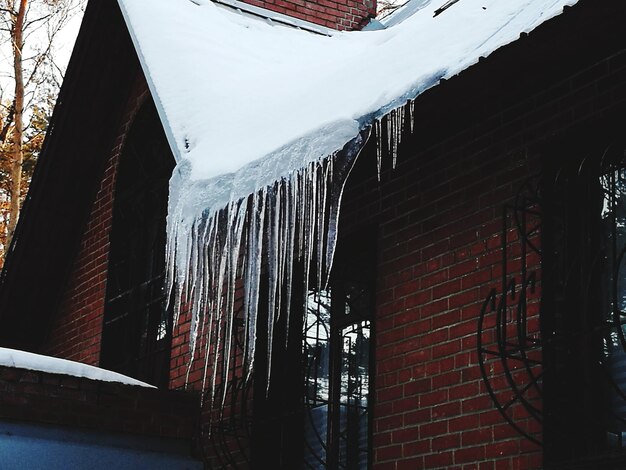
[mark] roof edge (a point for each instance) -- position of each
(277, 17)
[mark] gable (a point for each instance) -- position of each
(80, 136)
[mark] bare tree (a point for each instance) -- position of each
(29, 29)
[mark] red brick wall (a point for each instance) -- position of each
(77, 328)
(340, 14)
(439, 256)
(439, 219)
(42, 397)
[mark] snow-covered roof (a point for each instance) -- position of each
(247, 103)
(232, 89)
(54, 365)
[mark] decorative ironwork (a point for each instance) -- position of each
(611, 258)
(337, 357)
(508, 339)
(554, 334)
(582, 306)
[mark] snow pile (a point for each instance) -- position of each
(53, 365)
(253, 110)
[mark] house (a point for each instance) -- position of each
(473, 315)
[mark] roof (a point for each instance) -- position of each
(232, 90)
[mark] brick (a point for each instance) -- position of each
(470, 454)
(388, 453)
(446, 442)
(464, 423)
(477, 436)
(446, 410)
(439, 460)
(433, 429)
(404, 435)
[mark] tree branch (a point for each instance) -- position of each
(7, 123)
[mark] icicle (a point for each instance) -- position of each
(401, 112)
(379, 145)
(320, 218)
(301, 201)
(226, 274)
(389, 132)
(412, 114)
(394, 138)
(280, 245)
(253, 275)
(273, 201)
(341, 171)
(291, 196)
(297, 216)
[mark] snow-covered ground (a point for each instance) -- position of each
(53, 365)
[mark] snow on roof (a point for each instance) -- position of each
(246, 102)
(232, 89)
(54, 365)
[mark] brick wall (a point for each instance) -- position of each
(439, 256)
(341, 14)
(42, 397)
(439, 218)
(77, 328)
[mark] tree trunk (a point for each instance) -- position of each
(17, 156)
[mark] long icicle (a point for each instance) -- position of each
(297, 216)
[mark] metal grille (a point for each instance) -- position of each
(583, 305)
(338, 359)
(509, 340)
(556, 369)
(337, 356)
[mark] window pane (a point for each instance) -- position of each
(614, 294)
(317, 378)
(354, 395)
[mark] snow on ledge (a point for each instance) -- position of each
(53, 365)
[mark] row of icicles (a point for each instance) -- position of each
(291, 223)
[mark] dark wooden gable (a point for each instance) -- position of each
(81, 133)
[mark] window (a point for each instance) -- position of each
(584, 306)
(137, 329)
(316, 412)
(337, 347)
(613, 358)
